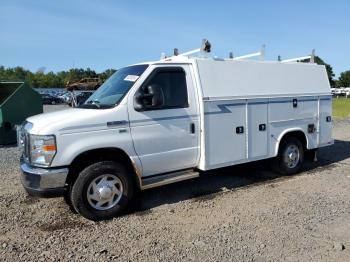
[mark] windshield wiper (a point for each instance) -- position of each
(94, 102)
(91, 104)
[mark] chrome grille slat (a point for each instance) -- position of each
(27, 147)
(24, 136)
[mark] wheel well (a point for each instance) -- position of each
(97, 155)
(297, 134)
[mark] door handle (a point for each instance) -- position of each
(262, 127)
(239, 130)
(117, 123)
(192, 128)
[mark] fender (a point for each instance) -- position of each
(285, 132)
(101, 154)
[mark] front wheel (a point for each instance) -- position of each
(102, 191)
(290, 157)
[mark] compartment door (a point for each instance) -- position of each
(258, 129)
(325, 121)
(225, 133)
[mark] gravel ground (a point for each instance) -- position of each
(243, 213)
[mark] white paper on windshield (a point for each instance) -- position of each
(131, 78)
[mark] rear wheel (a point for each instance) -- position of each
(102, 191)
(290, 157)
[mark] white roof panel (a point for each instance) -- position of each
(230, 78)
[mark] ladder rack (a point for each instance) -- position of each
(206, 48)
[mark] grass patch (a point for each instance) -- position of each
(341, 107)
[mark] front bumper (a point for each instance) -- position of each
(43, 182)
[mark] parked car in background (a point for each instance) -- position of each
(341, 91)
(82, 97)
(75, 99)
(50, 99)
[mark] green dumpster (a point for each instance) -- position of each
(17, 102)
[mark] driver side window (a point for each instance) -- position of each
(172, 84)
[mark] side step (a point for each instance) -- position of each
(169, 178)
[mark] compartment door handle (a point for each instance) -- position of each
(192, 128)
(239, 129)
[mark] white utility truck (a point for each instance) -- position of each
(161, 122)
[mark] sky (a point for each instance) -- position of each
(102, 34)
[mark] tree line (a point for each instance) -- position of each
(50, 79)
(60, 79)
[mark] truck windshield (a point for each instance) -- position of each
(113, 90)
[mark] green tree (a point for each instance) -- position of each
(344, 79)
(106, 74)
(50, 79)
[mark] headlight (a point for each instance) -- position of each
(42, 150)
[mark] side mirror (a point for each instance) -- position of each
(157, 95)
(138, 101)
(150, 97)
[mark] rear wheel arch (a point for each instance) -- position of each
(90, 157)
(297, 133)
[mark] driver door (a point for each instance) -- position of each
(166, 138)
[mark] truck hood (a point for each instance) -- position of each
(75, 120)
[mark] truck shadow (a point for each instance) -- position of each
(9, 145)
(217, 181)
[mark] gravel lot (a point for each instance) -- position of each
(243, 213)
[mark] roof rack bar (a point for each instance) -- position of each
(296, 59)
(261, 54)
(310, 57)
(247, 56)
(191, 52)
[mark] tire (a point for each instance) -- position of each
(290, 158)
(53, 103)
(100, 182)
(68, 199)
